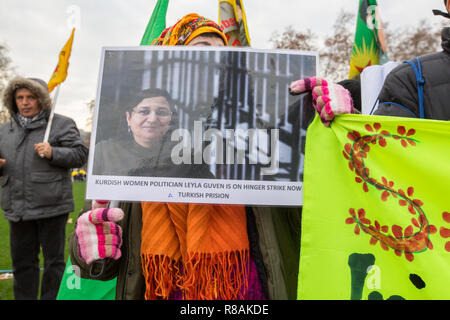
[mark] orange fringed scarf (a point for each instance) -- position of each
(201, 249)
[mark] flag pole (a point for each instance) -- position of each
(50, 118)
(58, 76)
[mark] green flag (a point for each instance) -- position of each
(73, 287)
(369, 47)
(157, 23)
(376, 221)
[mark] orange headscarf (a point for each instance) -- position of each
(200, 249)
(186, 29)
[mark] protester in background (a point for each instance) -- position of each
(400, 94)
(36, 185)
(169, 250)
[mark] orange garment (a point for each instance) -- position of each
(201, 249)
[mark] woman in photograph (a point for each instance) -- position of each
(147, 149)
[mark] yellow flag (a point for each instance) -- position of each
(234, 23)
(60, 73)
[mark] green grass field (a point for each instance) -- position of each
(6, 292)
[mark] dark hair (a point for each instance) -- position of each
(136, 98)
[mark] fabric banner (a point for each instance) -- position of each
(376, 215)
(369, 47)
(234, 22)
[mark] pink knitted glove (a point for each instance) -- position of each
(99, 204)
(98, 235)
(329, 99)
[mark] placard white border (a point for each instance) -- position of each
(185, 190)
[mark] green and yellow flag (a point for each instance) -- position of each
(157, 23)
(234, 22)
(376, 215)
(60, 73)
(369, 47)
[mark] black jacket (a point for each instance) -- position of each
(400, 87)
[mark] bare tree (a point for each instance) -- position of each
(91, 105)
(335, 52)
(6, 73)
(295, 40)
(6, 69)
(335, 56)
(408, 42)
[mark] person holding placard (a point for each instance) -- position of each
(171, 250)
(416, 88)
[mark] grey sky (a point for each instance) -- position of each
(35, 31)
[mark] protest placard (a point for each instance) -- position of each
(200, 125)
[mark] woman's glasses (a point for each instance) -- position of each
(145, 112)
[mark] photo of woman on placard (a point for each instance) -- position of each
(147, 149)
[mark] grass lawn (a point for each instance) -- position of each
(6, 291)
